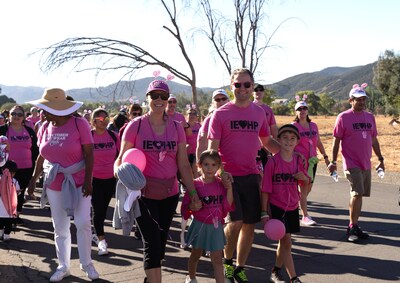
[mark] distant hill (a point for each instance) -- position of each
(336, 81)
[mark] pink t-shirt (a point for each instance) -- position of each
(105, 151)
(215, 205)
(308, 140)
(178, 117)
(192, 139)
(154, 146)
(20, 147)
(30, 121)
(238, 130)
(279, 182)
(63, 145)
(356, 131)
(269, 113)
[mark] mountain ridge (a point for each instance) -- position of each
(336, 81)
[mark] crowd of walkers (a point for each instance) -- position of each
(231, 170)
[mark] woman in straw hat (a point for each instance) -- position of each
(163, 142)
(66, 143)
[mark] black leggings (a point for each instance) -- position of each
(6, 224)
(23, 176)
(103, 191)
(154, 224)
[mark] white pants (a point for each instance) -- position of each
(62, 232)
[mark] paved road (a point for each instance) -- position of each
(321, 253)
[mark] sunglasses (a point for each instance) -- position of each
(16, 114)
(220, 99)
(192, 113)
(239, 85)
(302, 108)
(259, 90)
(135, 114)
(172, 102)
(155, 95)
(102, 119)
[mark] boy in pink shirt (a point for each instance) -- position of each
(280, 197)
(355, 130)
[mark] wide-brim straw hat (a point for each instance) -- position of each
(55, 102)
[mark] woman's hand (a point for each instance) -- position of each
(87, 189)
(31, 186)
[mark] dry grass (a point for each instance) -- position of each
(388, 136)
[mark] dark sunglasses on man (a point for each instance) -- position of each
(220, 99)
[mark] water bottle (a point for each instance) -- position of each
(335, 176)
(381, 173)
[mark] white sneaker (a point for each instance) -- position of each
(95, 239)
(102, 247)
(1, 233)
(90, 271)
(308, 221)
(59, 275)
(6, 237)
(188, 280)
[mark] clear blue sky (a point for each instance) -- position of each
(325, 33)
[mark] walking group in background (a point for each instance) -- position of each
(235, 168)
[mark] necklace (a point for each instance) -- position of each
(159, 144)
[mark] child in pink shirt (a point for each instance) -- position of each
(206, 230)
(280, 196)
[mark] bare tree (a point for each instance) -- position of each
(111, 54)
(241, 39)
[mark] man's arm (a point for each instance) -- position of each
(270, 144)
(377, 149)
(213, 144)
(335, 150)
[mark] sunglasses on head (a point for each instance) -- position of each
(102, 119)
(157, 95)
(220, 99)
(16, 114)
(135, 114)
(302, 108)
(239, 85)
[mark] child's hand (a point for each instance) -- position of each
(195, 205)
(300, 176)
(226, 177)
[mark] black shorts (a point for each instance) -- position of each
(290, 218)
(246, 195)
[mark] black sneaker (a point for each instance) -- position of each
(361, 235)
(240, 275)
(297, 280)
(137, 234)
(355, 233)
(276, 276)
(229, 271)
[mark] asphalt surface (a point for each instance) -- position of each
(321, 253)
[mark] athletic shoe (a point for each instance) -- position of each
(59, 275)
(137, 234)
(308, 221)
(276, 276)
(6, 237)
(1, 233)
(188, 280)
(95, 239)
(229, 270)
(297, 280)
(354, 234)
(240, 275)
(90, 271)
(102, 247)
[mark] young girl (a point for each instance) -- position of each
(206, 230)
(9, 189)
(280, 197)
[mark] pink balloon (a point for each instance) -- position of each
(274, 229)
(136, 157)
